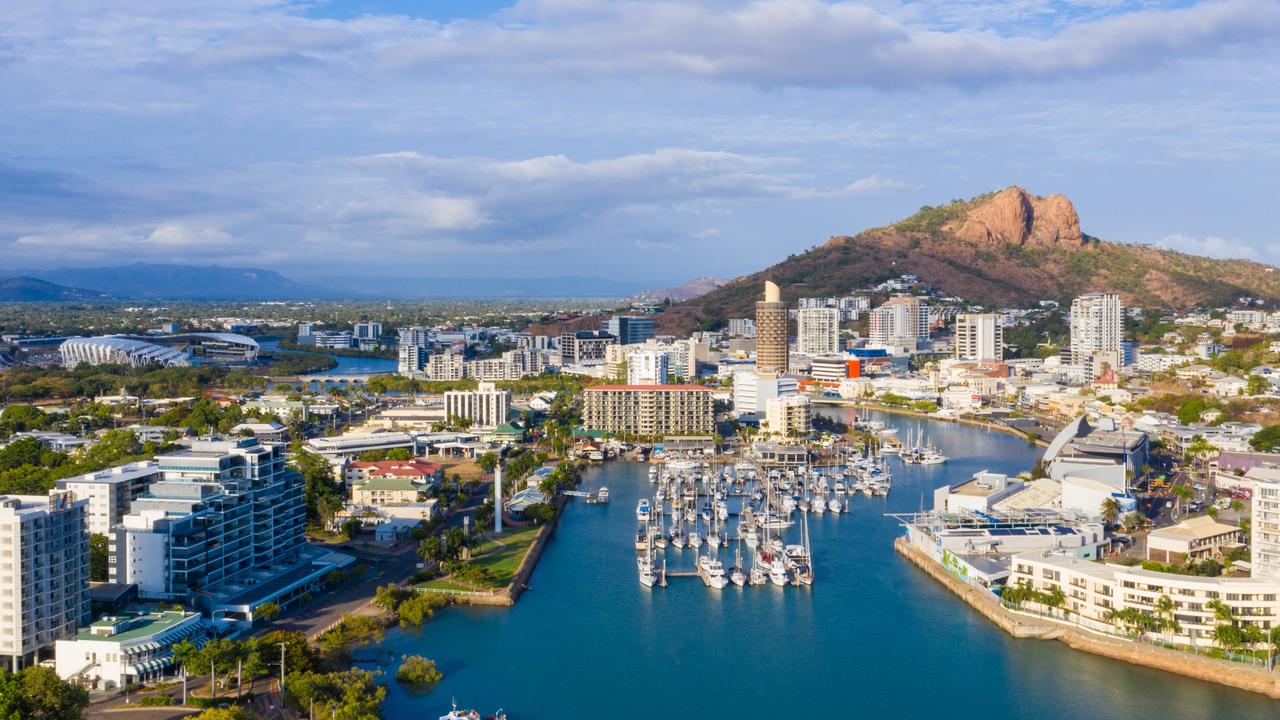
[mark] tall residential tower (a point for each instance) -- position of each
(771, 331)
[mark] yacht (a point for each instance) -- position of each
(737, 577)
(653, 474)
(677, 538)
(834, 506)
(712, 572)
(642, 539)
(648, 577)
(642, 510)
(695, 539)
(778, 574)
(602, 495)
(757, 576)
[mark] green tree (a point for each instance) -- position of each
(487, 462)
(267, 611)
(417, 670)
(1110, 511)
(1265, 440)
(37, 693)
(98, 556)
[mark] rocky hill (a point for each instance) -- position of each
(1007, 248)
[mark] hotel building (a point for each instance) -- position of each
(649, 410)
(772, 337)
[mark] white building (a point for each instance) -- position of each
(415, 335)
(742, 327)
(127, 648)
(752, 392)
(788, 415)
(979, 336)
(485, 407)
(367, 330)
(109, 493)
(44, 574)
(410, 359)
(818, 331)
(1265, 538)
(647, 367)
(1097, 326)
(901, 321)
(444, 367)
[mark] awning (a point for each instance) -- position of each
(150, 666)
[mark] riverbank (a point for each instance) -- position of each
(1199, 667)
(841, 402)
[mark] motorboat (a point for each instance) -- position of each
(695, 539)
(737, 576)
(712, 572)
(642, 510)
(778, 574)
(834, 506)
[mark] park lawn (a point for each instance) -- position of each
(505, 559)
(441, 584)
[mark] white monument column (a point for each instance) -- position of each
(497, 498)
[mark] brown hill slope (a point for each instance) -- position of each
(1007, 248)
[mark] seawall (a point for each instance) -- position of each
(839, 402)
(1200, 667)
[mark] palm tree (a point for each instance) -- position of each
(1221, 611)
(1110, 511)
(1165, 607)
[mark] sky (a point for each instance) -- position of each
(625, 139)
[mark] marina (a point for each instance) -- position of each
(862, 641)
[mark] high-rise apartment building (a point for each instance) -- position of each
(44, 574)
(444, 367)
(415, 335)
(789, 415)
(410, 359)
(109, 493)
(648, 410)
(1097, 326)
(486, 406)
(772, 337)
(224, 509)
(1265, 538)
(818, 331)
(367, 330)
(586, 347)
(648, 367)
(979, 336)
(742, 327)
(629, 329)
(900, 320)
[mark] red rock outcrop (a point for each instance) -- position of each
(1015, 216)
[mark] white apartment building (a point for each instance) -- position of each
(979, 337)
(1265, 538)
(648, 367)
(1097, 326)
(788, 415)
(752, 392)
(110, 492)
(44, 574)
(1159, 362)
(415, 335)
(901, 320)
(742, 327)
(367, 330)
(485, 407)
(1092, 589)
(444, 366)
(818, 331)
(224, 509)
(410, 359)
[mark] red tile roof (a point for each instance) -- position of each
(398, 468)
(664, 388)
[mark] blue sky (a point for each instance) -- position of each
(643, 140)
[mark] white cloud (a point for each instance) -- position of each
(1209, 246)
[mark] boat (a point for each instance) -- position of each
(653, 474)
(642, 539)
(602, 495)
(648, 576)
(712, 572)
(642, 510)
(695, 539)
(778, 574)
(737, 577)
(677, 538)
(834, 506)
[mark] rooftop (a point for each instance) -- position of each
(1196, 528)
(653, 388)
(134, 626)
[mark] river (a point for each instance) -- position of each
(347, 365)
(874, 637)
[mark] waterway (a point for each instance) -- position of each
(874, 637)
(347, 365)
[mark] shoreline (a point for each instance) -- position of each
(839, 402)
(1017, 625)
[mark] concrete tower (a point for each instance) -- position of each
(771, 331)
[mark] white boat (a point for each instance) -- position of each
(642, 510)
(713, 538)
(722, 510)
(695, 540)
(834, 506)
(653, 474)
(648, 577)
(737, 577)
(778, 574)
(602, 495)
(840, 488)
(712, 572)
(752, 539)
(677, 538)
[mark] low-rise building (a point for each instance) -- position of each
(128, 648)
(1194, 539)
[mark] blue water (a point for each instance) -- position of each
(874, 637)
(346, 365)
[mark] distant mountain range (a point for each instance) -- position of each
(411, 287)
(188, 282)
(1006, 248)
(29, 289)
(213, 282)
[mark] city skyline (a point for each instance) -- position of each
(303, 137)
